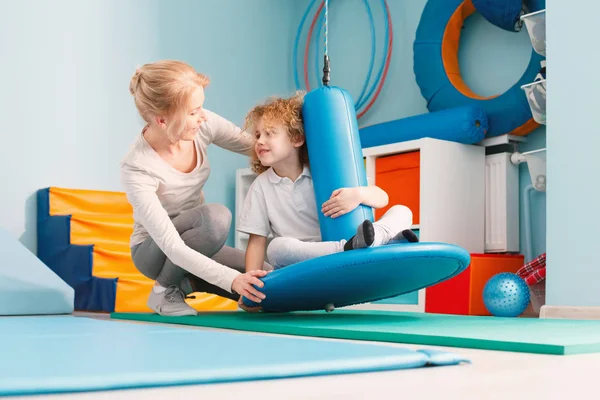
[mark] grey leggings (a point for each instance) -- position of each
(204, 229)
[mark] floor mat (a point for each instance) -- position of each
(58, 354)
(530, 335)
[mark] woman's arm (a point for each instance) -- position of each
(148, 211)
(255, 252)
(227, 135)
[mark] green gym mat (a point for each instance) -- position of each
(528, 335)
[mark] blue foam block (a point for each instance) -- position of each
(69, 354)
(360, 276)
(73, 263)
(28, 286)
(467, 125)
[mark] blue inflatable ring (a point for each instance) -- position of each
(438, 74)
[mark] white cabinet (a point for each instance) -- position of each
(451, 200)
(451, 185)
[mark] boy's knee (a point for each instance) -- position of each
(403, 210)
(276, 250)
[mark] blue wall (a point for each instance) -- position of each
(68, 115)
(573, 143)
(65, 77)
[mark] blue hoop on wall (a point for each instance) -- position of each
(318, 19)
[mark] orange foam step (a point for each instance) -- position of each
(101, 229)
(132, 296)
(114, 262)
(79, 201)
(104, 220)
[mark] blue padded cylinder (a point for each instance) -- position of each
(467, 125)
(335, 155)
(534, 5)
(506, 14)
(502, 13)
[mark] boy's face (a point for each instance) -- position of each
(273, 145)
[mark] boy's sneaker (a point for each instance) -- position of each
(406, 236)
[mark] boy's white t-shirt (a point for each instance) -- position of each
(279, 206)
(158, 192)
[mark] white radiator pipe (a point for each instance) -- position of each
(537, 171)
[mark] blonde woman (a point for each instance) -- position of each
(178, 240)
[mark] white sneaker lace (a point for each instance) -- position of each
(173, 294)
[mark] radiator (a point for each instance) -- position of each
(501, 204)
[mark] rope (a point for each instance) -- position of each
(326, 69)
(326, 13)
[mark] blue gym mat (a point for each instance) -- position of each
(58, 354)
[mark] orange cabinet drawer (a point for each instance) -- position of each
(399, 176)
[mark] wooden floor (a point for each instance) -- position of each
(492, 375)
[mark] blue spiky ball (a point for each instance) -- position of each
(506, 295)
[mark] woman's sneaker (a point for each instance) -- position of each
(170, 302)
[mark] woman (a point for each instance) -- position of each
(178, 241)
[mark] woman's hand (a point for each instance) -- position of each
(243, 285)
(342, 201)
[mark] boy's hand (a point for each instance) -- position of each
(341, 202)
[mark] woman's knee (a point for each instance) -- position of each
(217, 219)
(148, 259)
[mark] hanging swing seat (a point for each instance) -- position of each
(360, 276)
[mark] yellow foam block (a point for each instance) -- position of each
(101, 229)
(133, 294)
(105, 220)
(134, 288)
(113, 262)
(71, 201)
